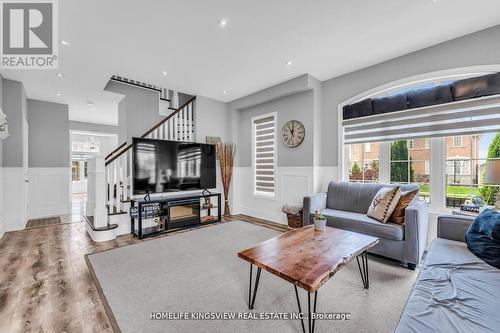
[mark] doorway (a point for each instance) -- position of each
(85, 146)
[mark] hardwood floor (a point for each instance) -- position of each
(45, 284)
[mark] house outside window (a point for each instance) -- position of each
(363, 163)
(457, 141)
(464, 167)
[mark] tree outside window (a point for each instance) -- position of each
(488, 193)
(411, 165)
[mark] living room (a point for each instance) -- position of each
(335, 167)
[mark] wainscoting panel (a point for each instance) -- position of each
(49, 192)
(323, 176)
(293, 183)
(14, 198)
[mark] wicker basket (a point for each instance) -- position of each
(294, 220)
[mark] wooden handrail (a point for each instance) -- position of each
(168, 117)
(151, 130)
(114, 151)
(116, 156)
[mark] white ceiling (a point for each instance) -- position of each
(140, 39)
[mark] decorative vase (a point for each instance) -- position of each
(319, 224)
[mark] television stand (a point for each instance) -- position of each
(158, 216)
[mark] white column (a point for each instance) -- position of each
(100, 213)
(89, 209)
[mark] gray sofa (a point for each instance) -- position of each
(455, 291)
(345, 206)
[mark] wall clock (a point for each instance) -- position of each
(293, 133)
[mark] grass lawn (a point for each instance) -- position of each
(453, 191)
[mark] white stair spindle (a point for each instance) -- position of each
(118, 185)
(160, 131)
(130, 176)
(188, 127)
(171, 128)
(106, 184)
(122, 178)
(184, 124)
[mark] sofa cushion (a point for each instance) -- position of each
(359, 109)
(476, 87)
(383, 203)
(390, 104)
(483, 237)
(454, 290)
(432, 96)
(363, 224)
(356, 197)
(399, 213)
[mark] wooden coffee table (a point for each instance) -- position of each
(308, 258)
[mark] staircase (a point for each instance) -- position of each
(118, 179)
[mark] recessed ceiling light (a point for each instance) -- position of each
(223, 22)
(164, 73)
(65, 43)
(59, 94)
(224, 92)
(288, 62)
(90, 103)
(92, 109)
(60, 74)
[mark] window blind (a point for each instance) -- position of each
(264, 155)
(475, 116)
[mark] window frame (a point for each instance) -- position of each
(255, 193)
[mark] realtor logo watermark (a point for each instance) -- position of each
(29, 34)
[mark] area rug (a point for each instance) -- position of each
(43, 222)
(199, 272)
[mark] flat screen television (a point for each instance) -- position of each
(162, 166)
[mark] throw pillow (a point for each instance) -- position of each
(483, 237)
(383, 203)
(398, 215)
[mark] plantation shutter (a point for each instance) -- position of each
(479, 115)
(264, 155)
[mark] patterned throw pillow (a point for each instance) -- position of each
(398, 215)
(383, 203)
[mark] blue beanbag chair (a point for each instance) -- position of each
(483, 237)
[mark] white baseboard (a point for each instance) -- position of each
(261, 214)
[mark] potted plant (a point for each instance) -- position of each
(319, 221)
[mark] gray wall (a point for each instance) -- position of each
(14, 107)
(49, 144)
(294, 107)
(211, 119)
(138, 111)
(90, 127)
(481, 48)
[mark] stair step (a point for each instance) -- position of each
(90, 222)
(115, 212)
